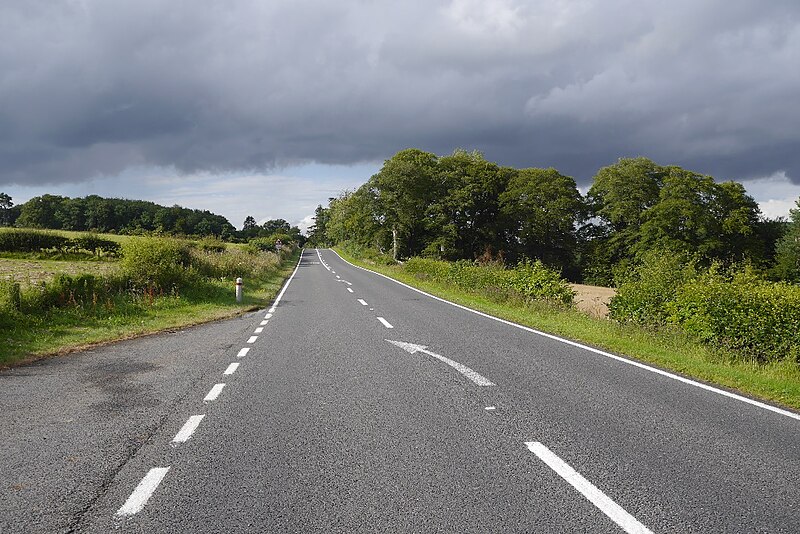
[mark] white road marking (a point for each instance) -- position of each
(337, 276)
(252, 339)
(618, 515)
(463, 369)
(264, 322)
(214, 393)
(489, 408)
(363, 303)
(321, 260)
(385, 322)
(187, 429)
(243, 352)
(268, 316)
(350, 289)
(258, 330)
(231, 368)
(640, 365)
(334, 272)
(286, 285)
(143, 492)
(271, 310)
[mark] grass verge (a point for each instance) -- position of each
(777, 382)
(28, 337)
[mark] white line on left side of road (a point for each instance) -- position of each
(187, 429)
(243, 352)
(252, 339)
(363, 302)
(603, 502)
(385, 322)
(322, 261)
(231, 368)
(143, 492)
(259, 330)
(214, 393)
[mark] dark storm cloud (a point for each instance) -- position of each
(95, 87)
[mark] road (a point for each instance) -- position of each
(356, 404)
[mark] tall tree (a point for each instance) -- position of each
(787, 252)
(5, 209)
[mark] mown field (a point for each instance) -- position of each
(61, 297)
(759, 370)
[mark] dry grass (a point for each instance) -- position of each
(30, 272)
(593, 300)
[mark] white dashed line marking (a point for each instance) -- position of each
(271, 310)
(489, 408)
(337, 276)
(385, 322)
(264, 322)
(214, 393)
(268, 316)
(187, 429)
(143, 491)
(363, 303)
(231, 368)
(258, 330)
(252, 339)
(243, 352)
(350, 290)
(615, 512)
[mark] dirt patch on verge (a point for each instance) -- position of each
(593, 300)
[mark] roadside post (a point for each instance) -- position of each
(238, 290)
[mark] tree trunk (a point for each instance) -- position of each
(394, 243)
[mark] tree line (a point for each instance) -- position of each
(461, 206)
(97, 214)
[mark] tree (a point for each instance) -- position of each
(542, 207)
(5, 209)
(787, 252)
(318, 233)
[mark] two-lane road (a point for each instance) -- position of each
(358, 404)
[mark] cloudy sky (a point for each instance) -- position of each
(268, 108)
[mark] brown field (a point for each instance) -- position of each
(593, 300)
(30, 272)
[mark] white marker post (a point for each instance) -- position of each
(238, 290)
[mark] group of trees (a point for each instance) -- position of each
(462, 206)
(275, 229)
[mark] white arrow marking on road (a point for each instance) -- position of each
(463, 369)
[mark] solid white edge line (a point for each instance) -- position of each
(603, 502)
(640, 365)
(188, 429)
(214, 393)
(231, 368)
(385, 322)
(321, 260)
(143, 492)
(252, 339)
(243, 352)
(286, 285)
(363, 302)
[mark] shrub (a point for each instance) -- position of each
(741, 311)
(234, 263)
(20, 240)
(95, 244)
(156, 262)
(644, 291)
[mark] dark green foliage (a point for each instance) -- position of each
(31, 241)
(95, 244)
(787, 251)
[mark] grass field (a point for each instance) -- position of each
(777, 382)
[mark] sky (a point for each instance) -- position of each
(247, 107)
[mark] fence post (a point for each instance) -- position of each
(238, 290)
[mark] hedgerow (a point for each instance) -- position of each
(528, 280)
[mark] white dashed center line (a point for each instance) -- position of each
(363, 303)
(143, 491)
(259, 330)
(350, 290)
(187, 429)
(214, 393)
(626, 521)
(252, 339)
(231, 368)
(243, 352)
(385, 322)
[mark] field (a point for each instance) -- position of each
(593, 300)
(33, 272)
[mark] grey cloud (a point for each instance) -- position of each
(91, 87)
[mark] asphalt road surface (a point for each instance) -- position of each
(355, 404)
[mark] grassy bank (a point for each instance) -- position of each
(32, 331)
(776, 382)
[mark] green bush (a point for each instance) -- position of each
(95, 244)
(528, 280)
(741, 311)
(234, 263)
(156, 262)
(20, 240)
(644, 291)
